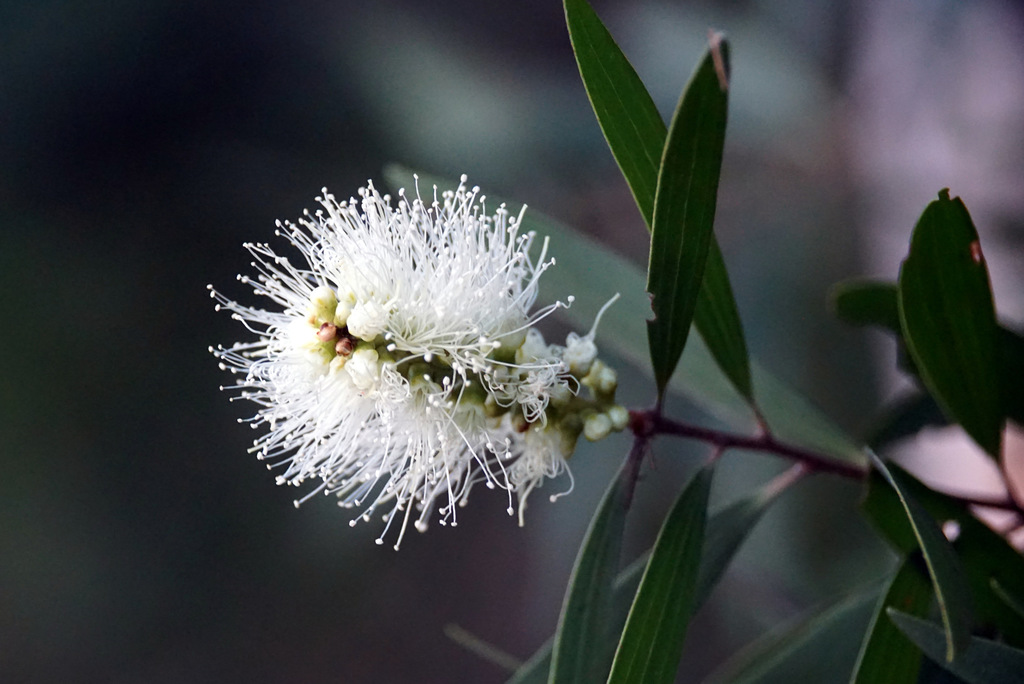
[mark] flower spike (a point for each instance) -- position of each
(400, 364)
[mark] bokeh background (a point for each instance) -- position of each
(142, 142)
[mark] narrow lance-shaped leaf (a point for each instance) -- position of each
(729, 527)
(684, 209)
(725, 532)
(984, 662)
(948, 319)
(718, 321)
(636, 136)
(625, 111)
(886, 655)
(535, 669)
(947, 576)
(984, 554)
(652, 641)
(580, 651)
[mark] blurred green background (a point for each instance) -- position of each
(142, 142)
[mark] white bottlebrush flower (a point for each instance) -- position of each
(399, 365)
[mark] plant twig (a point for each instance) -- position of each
(651, 423)
(646, 424)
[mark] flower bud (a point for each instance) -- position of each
(597, 426)
(619, 417)
(532, 348)
(561, 395)
(363, 369)
(342, 312)
(367, 320)
(337, 364)
(580, 353)
(320, 308)
(601, 378)
(509, 345)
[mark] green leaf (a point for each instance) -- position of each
(684, 209)
(867, 302)
(636, 136)
(985, 555)
(949, 322)
(811, 649)
(726, 531)
(718, 321)
(887, 656)
(948, 579)
(984, 662)
(583, 263)
(652, 641)
(729, 527)
(627, 114)
(580, 652)
(535, 669)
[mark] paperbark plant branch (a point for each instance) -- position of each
(648, 423)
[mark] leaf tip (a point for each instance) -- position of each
(716, 44)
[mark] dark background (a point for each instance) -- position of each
(142, 142)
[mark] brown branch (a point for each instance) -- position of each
(646, 424)
(651, 423)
